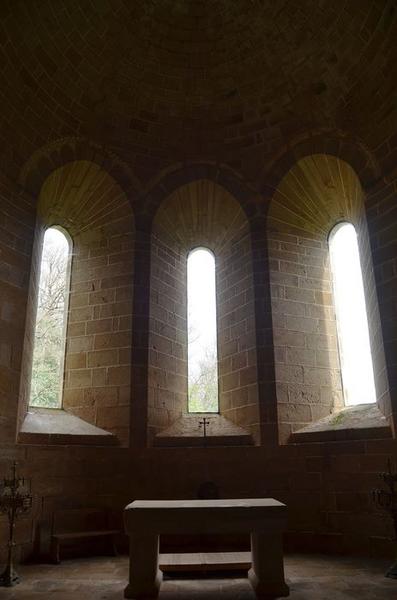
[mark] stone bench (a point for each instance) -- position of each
(263, 518)
(76, 525)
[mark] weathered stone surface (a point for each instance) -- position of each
(187, 431)
(288, 114)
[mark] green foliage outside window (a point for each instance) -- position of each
(203, 386)
(48, 352)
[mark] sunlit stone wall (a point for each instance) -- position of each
(317, 193)
(85, 201)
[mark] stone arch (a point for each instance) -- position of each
(70, 149)
(88, 203)
(177, 177)
(195, 213)
(319, 191)
(333, 143)
(202, 212)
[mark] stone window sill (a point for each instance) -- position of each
(55, 426)
(361, 422)
(186, 432)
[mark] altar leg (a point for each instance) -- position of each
(145, 575)
(267, 572)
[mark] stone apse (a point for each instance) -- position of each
(125, 361)
(142, 130)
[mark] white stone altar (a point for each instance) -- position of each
(263, 518)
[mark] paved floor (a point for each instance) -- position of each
(309, 577)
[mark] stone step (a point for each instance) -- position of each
(205, 561)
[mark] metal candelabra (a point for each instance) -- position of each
(387, 499)
(15, 499)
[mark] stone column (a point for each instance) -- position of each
(267, 573)
(140, 335)
(145, 575)
(264, 332)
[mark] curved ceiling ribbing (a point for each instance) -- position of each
(81, 196)
(316, 193)
(202, 213)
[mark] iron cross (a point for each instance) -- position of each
(204, 424)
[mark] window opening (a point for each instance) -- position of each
(202, 332)
(50, 327)
(351, 317)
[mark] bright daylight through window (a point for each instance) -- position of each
(351, 317)
(202, 334)
(49, 339)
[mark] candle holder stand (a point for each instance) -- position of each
(387, 500)
(15, 499)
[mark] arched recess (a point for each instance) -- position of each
(86, 201)
(336, 143)
(69, 149)
(177, 177)
(202, 213)
(318, 192)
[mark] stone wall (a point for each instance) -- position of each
(17, 218)
(327, 485)
(382, 230)
(376, 335)
(29, 330)
(202, 214)
(167, 394)
(158, 94)
(236, 83)
(98, 351)
(317, 193)
(238, 373)
(91, 207)
(308, 376)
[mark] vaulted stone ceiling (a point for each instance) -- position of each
(163, 81)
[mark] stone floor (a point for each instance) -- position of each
(309, 577)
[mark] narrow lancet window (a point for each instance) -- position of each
(202, 332)
(49, 337)
(351, 317)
